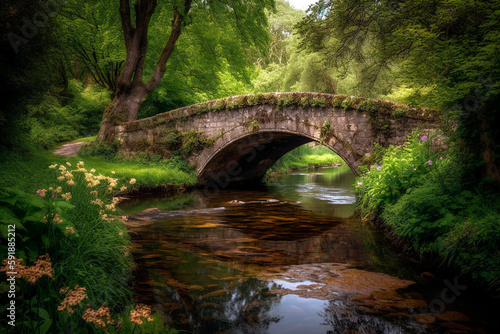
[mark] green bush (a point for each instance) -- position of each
(426, 200)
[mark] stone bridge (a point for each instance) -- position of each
(236, 139)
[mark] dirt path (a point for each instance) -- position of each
(69, 150)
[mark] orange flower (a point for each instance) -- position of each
(73, 298)
(100, 318)
(141, 311)
(41, 267)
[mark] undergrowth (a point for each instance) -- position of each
(426, 200)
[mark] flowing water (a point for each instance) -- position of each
(287, 258)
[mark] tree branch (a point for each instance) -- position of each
(169, 47)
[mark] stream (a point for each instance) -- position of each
(287, 257)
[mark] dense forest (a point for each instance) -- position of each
(70, 69)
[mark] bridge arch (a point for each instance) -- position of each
(248, 157)
(246, 134)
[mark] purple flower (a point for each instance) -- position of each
(55, 195)
(379, 168)
(441, 158)
(38, 191)
(424, 138)
(430, 162)
(414, 169)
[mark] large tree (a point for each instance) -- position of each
(137, 82)
(446, 51)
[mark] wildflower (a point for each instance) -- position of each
(92, 170)
(110, 207)
(53, 166)
(110, 188)
(379, 167)
(68, 175)
(67, 196)
(67, 163)
(132, 181)
(61, 178)
(414, 169)
(57, 219)
(80, 164)
(62, 168)
(441, 158)
(73, 298)
(424, 138)
(120, 234)
(97, 201)
(360, 183)
(55, 195)
(58, 190)
(94, 192)
(112, 172)
(100, 318)
(70, 182)
(70, 229)
(18, 267)
(115, 200)
(430, 162)
(41, 267)
(123, 188)
(140, 311)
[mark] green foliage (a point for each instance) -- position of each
(303, 156)
(424, 198)
(401, 169)
(100, 149)
(366, 106)
(347, 104)
(53, 120)
(399, 113)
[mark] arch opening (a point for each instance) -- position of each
(247, 159)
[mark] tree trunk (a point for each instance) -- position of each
(131, 90)
(123, 108)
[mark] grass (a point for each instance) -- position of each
(33, 167)
(305, 155)
(86, 245)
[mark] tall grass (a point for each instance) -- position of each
(68, 236)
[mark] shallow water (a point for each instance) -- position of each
(285, 258)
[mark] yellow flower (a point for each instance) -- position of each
(68, 175)
(100, 318)
(110, 207)
(58, 190)
(70, 229)
(70, 182)
(110, 188)
(67, 196)
(123, 188)
(94, 192)
(132, 181)
(80, 164)
(53, 166)
(92, 170)
(67, 163)
(61, 178)
(112, 172)
(98, 202)
(62, 168)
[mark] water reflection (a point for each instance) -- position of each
(279, 260)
